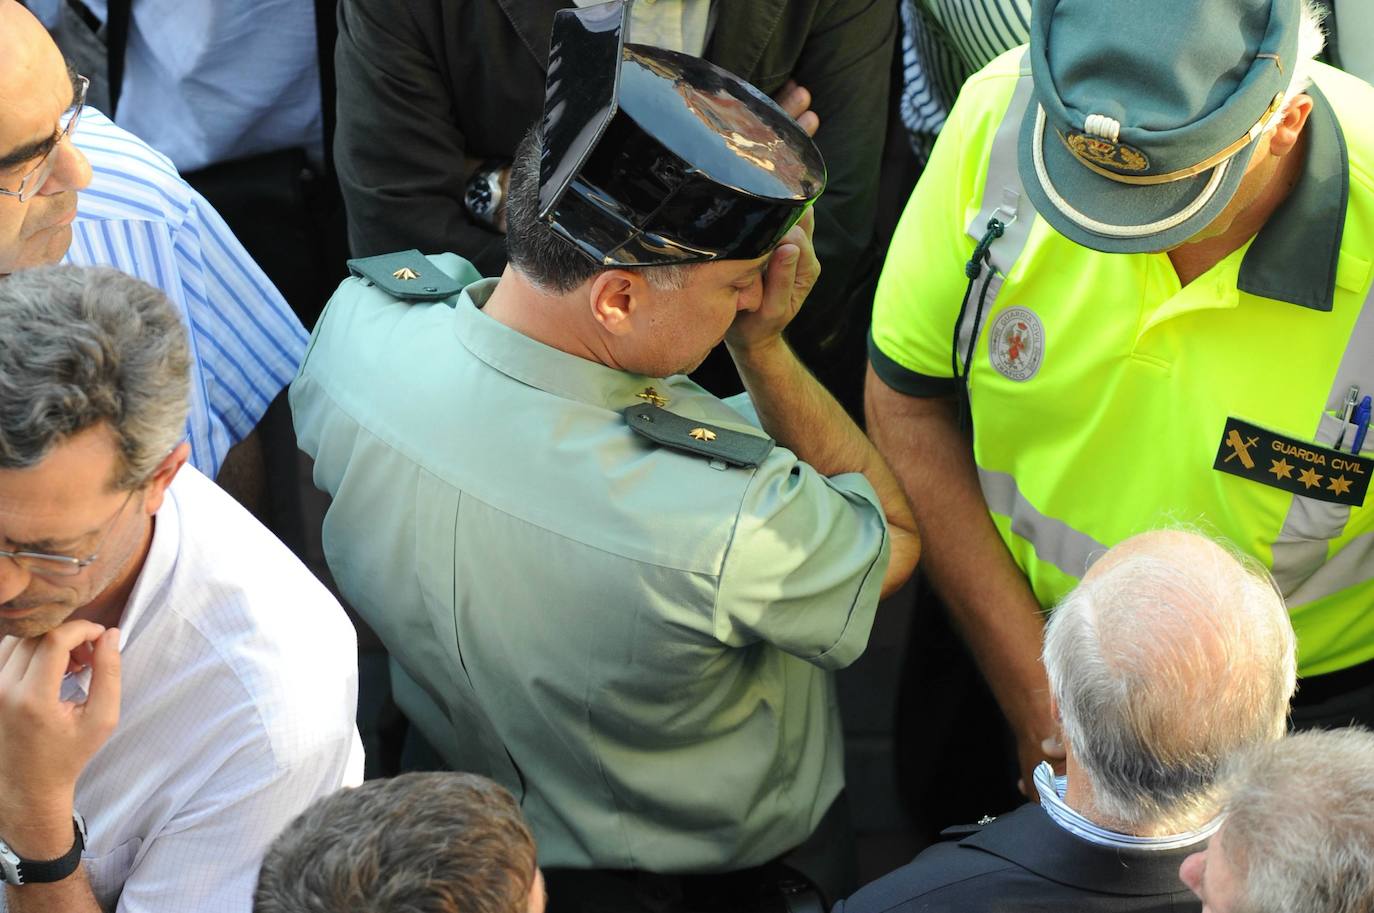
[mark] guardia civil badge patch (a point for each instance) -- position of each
(1292, 464)
(1016, 344)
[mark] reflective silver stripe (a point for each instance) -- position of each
(1300, 566)
(1055, 542)
(1351, 565)
(1004, 197)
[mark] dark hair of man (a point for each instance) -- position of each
(417, 843)
(546, 260)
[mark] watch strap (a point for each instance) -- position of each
(47, 871)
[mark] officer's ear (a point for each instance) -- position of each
(615, 296)
(1289, 127)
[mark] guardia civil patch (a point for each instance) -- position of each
(1293, 465)
(1016, 344)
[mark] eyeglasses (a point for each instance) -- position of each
(45, 565)
(30, 183)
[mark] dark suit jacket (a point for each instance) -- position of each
(426, 87)
(1025, 862)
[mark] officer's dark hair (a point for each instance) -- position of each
(543, 258)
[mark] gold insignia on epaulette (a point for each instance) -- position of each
(1106, 153)
(405, 274)
(703, 434)
(652, 397)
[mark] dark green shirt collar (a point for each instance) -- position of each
(1294, 256)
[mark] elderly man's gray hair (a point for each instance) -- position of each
(1300, 823)
(1169, 656)
(79, 347)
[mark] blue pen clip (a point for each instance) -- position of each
(1361, 424)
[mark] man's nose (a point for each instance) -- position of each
(14, 579)
(71, 170)
(752, 297)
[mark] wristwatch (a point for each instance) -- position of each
(16, 870)
(482, 196)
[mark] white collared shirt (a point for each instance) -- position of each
(239, 688)
(1052, 789)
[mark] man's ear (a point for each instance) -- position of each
(1286, 134)
(162, 477)
(614, 296)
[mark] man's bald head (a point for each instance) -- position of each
(26, 51)
(1170, 655)
(36, 88)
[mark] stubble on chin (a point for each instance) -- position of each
(56, 247)
(35, 625)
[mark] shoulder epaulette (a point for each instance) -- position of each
(736, 448)
(407, 275)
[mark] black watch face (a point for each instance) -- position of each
(478, 196)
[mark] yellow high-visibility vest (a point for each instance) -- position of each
(1107, 400)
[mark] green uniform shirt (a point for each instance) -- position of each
(634, 640)
(1102, 392)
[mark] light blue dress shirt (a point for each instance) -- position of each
(206, 81)
(140, 217)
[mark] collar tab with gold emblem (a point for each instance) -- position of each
(407, 275)
(734, 448)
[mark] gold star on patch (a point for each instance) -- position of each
(1281, 469)
(1340, 485)
(650, 395)
(1310, 478)
(405, 274)
(703, 434)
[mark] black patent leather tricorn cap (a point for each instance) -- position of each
(654, 157)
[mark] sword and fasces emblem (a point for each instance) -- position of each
(1292, 464)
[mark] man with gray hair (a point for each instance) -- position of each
(1299, 831)
(174, 685)
(1170, 656)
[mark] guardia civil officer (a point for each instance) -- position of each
(1141, 255)
(601, 586)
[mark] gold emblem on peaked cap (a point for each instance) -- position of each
(1104, 152)
(703, 434)
(405, 274)
(1090, 150)
(653, 397)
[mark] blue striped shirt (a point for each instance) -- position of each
(140, 217)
